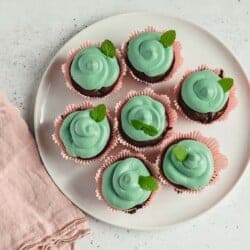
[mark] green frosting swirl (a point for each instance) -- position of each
(147, 54)
(92, 70)
(202, 93)
(120, 183)
(82, 136)
(147, 110)
(195, 171)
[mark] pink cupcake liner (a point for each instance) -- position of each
(56, 136)
(171, 118)
(232, 100)
(110, 160)
(220, 160)
(177, 52)
(67, 64)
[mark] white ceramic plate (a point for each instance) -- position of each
(77, 182)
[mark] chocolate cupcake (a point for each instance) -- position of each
(152, 56)
(94, 71)
(204, 95)
(189, 162)
(84, 133)
(125, 182)
(145, 119)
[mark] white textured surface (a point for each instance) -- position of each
(32, 31)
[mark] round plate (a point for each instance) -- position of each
(78, 183)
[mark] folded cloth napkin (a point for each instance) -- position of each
(34, 213)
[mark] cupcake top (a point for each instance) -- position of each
(94, 68)
(188, 163)
(122, 186)
(83, 135)
(151, 53)
(143, 118)
(204, 91)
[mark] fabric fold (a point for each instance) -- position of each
(34, 213)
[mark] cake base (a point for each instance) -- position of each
(143, 143)
(201, 117)
(93, 93)
(144, 77)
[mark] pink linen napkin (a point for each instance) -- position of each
(34, 214)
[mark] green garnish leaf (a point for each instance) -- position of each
(226, 83)
(98, 113)
(167, 38)
(137, 124)
(148, 183)
(108, 48)
(150, 130)
(180, 152)
(147, 129)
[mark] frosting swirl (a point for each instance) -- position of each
(148, 55)
(195, 171)
(147, 110)
(202, 92)
(120, 183)
(92, 70)
(82, 136)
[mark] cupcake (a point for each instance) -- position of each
(145, 119)
(84, 133)
(125, 182)
(189, 162)
(94, 70)
(152, 56)
(204, 95)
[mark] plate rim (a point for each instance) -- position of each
(36, 123)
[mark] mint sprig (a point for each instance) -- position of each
(147, 129)
(98, 113)
(148, 183)
(168, 38)
(108, 48)
(226, 83)
(180, 152)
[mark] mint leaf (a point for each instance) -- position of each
(150, 130)
(147, 129)
(167, 38)
(148, 183)
(180, 152)
(137, 124)
(108, 48)
(98, 113)
(226, 83)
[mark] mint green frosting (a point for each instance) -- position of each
(120, 186)
(195, 171)
(147, 54)
(92, 70)
(82, 136)
(147, 110)
(202, 93)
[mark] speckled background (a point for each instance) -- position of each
(31, 32)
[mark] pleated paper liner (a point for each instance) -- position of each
(56, 136)
(220, 160)
(112, 159)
